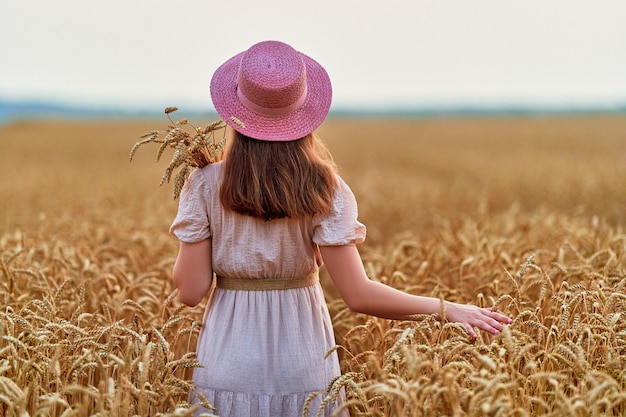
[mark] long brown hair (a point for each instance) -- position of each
(273, 180)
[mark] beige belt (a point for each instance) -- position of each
(264, 284)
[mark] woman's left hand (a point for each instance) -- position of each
(471, 316)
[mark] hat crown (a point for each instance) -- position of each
(272, 76)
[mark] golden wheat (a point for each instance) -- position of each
(524, 215)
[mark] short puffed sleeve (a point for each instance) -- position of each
(192, 221)
(341, 226)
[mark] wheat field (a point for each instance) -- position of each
(523, 213)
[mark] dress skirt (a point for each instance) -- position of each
(264, 353)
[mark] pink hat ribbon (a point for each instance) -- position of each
(272, 111)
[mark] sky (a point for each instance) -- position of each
(391, 54)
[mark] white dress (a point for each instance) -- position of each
(263, 351)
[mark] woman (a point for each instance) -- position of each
(263, 221)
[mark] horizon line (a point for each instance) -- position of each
(11, 110)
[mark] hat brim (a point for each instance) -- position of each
(294, 125)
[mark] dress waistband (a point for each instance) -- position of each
(264, 284)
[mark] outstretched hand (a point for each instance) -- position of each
(471, 316)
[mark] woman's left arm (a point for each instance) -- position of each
(345, 267)
(193, 271)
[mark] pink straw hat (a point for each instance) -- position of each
(272, 92)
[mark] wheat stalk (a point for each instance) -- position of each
(192, 150)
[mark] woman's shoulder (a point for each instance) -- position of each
(339, 178)
(342, 186)
(204, 179)
(211, 173)
(341, 226)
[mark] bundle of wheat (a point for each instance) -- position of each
(191, 150)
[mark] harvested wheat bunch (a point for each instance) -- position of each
(191, 150)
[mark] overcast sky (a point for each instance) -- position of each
(388, 53)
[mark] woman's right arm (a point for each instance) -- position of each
(363, 295)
